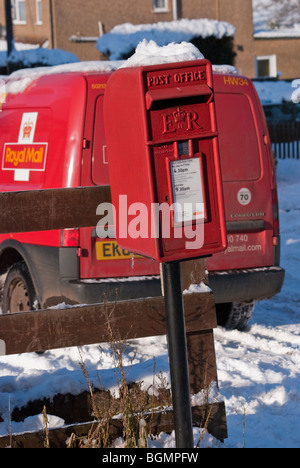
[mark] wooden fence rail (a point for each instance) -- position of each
(43, 210)
(77, 326)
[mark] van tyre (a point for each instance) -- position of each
(18, 293)
(235, 316)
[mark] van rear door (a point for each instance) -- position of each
(247, 171)
(103, 258)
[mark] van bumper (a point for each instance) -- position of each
(96, 291)
(227, 286)
(55, 273)
(246, 285)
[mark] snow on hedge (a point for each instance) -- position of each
(125, 37)
(37, 56)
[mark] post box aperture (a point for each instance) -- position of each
(163, 156)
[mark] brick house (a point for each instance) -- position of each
(74, 25)
(276, 56)
(32, 21)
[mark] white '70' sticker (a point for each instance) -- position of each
(244, 196)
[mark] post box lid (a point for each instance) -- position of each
(178, 92)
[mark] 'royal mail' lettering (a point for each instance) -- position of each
(18, 156)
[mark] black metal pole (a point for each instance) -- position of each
(9, 33)
(9, 27)
(178, 355)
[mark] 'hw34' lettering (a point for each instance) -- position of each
(235, 81)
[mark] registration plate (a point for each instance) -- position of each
(110, 250)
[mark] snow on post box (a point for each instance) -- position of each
(163, 158)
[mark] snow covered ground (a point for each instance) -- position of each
(259, 371)
(273, 19)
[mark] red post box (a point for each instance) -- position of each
(163, 156)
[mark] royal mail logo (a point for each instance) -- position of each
(25, 155)
(29, 157)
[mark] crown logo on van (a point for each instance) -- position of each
(27, 128)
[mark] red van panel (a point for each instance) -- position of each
(247, 172)
(49, 115)
(41, 140)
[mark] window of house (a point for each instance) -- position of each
(19, 11)
(160, 5)
(266, 66)
(39, 12)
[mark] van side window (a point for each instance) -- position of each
(99, 155)
(240, 154)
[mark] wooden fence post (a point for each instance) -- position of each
(201, 350)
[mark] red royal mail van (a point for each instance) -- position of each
(52, 136)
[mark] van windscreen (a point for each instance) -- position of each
(238, 139)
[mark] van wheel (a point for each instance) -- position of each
(235, 316)
(18, 293)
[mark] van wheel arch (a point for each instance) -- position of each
(9, 257)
